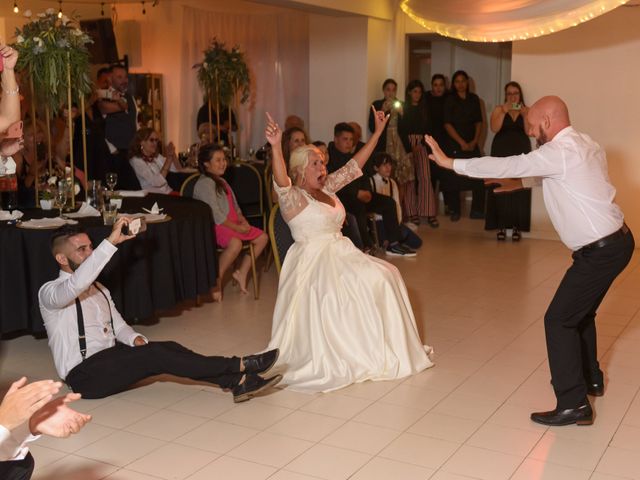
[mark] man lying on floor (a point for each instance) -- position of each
(97, 354)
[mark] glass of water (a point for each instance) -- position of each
(109, 213)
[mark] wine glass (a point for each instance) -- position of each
(61, 196)
(112, 180)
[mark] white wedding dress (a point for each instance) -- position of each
(341, 316)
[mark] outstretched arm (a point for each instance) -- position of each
(380, 120)
(274, 137)
(437, 154)
(10, 103)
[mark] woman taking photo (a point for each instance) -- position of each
(508, 122)
(420, 201)
(231, 227)
(463, 124)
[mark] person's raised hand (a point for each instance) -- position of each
(380, 119)
(273, 132)
(9, 56)
(171, 150)
(504, 185)
(437, 155)
(117, 236)
(22, 400)
(57, 419)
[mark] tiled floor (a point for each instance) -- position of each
(477, 302)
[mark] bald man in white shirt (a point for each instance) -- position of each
(579, 197)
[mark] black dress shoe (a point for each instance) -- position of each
(455, 217)
(261, 362)
(595, 389)
(252, 386)
(582, 415)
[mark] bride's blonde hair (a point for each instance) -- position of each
(298, 162)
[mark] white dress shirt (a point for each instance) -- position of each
(58, 308)
(150, 176)
(13, 444)
(575, 184)
(388, 187)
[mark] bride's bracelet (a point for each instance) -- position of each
(12, 92)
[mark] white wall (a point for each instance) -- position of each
(337, 72)
(595, 68)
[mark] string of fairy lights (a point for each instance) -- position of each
(504, 33)
(143, 4)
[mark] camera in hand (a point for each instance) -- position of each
(135, 226)
(516, 106)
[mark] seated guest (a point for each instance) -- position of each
(28, 411)
(382, 183)
(230, 226)
(150, 165)
(323, 149)
(357, 141)
(30, 159)
(97, 354)
(203, 117)
(359, 200)
(293, 121)
(293, 138)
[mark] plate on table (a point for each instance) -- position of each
(132, 193)
(45, 223)
(148, 217)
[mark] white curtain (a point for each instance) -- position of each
(503, 20)
(276, 48)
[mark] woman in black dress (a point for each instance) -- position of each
(509, 210)
(434, 100)
(463, 124)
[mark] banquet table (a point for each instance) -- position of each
(174, 260)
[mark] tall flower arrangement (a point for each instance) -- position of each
(224, 77)
(49, 47)
(54, 56)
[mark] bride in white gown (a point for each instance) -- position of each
(341, 316)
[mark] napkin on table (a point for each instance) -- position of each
(85, 210)
(154, 210)
(13, 215)
(47, 222)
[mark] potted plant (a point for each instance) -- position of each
(47, 193)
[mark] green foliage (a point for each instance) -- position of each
(48, 46)
(223, 73)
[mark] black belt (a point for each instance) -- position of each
(604, 241)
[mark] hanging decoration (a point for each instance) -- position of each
(225, 79)
(503, 20)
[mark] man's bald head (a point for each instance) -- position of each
(547, 117)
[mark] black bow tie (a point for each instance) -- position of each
(384, 180)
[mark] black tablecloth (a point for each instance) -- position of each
(170, 262)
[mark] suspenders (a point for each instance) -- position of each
(82, 340)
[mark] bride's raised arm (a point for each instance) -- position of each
(365, 152)
(274, 137)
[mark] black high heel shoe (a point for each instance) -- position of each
(515, 236)
(501, 235)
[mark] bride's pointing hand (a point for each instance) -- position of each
(273, 132)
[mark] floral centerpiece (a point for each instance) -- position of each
(50, 49)
(223, 75)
